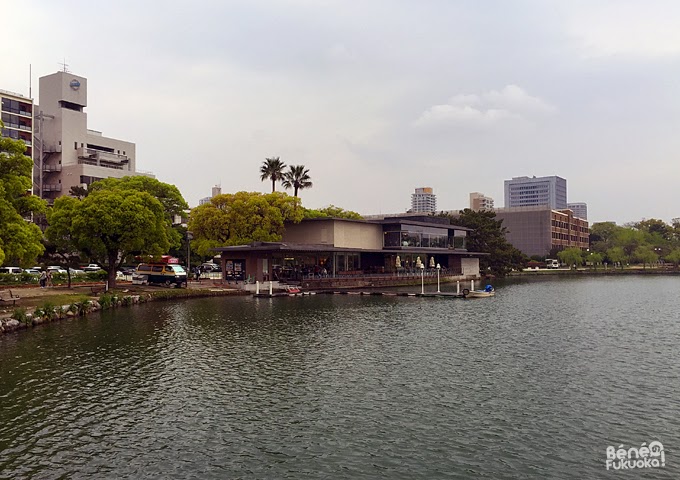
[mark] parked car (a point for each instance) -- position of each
(76, 271)
(127, 270)
(56, 269)
(93, 267)
(32, 271)
(15, 270)
(211, 267)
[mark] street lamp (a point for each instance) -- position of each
(190, 237)
(439, 267)
(422, 279)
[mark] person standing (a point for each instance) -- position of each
(43, 279)
(49, 278)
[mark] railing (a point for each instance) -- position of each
(95, 163)
(94, 154)
(52, 188)
(51, 168)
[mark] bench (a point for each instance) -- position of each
(6, 296)
(97, 289)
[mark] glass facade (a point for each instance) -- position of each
(422, 237)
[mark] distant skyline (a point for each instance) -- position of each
(377, 98)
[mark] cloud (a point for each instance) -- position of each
(510, 104)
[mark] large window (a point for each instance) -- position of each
(417, 236)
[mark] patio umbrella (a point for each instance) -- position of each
(397, 262)
(431, 262)
(419, 264)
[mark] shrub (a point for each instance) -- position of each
(21, 315)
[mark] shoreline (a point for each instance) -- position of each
(48, 310)
(595, 272)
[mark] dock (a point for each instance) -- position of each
(365, 293)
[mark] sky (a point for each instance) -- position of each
(379, 97)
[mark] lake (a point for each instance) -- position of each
(536, 382)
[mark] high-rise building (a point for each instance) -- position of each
(423, 201)
(536, 191)
(480, 202)
(580, 209)
(67, 152)
(216, 190)
(17, 117)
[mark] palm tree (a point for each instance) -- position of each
(297, 178)
(272, 168)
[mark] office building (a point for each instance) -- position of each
(68, 153)
(17, 117)
(480, 202)
(580, 209)
(536, 191)
(216, 190)
(541, 230)
(423, 201)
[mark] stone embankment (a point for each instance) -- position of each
(21, 318)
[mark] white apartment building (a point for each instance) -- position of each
(67, 152)
(423, 201)
(536, 191)
(480, 202)
(216, 190)
(580, 209)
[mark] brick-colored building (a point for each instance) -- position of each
(538, 230)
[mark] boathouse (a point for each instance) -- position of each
(331, 248)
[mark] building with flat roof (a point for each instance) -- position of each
(478, 201)
(540, 230)
(423, 201)
(216, 190)
(17, 117)
(536, 191)
(344, 247)
(67, 152)
(580, 209)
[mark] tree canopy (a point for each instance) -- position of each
(272, 169)
(573, 256)
(331, 211)
(242, 218)
(488, 236)
(116, 219)
(297, 177)
(20, 241)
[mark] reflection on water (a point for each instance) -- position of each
(534, 383)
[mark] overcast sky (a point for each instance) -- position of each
(377, 97)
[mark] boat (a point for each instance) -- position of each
(487, 292)
(480, 294)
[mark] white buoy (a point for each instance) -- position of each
(472, 285)
(257, 287)
(271, 287)
(457, 287)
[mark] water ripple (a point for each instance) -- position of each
(534, 383)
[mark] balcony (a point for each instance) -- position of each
(101, 156)
(52, 188)
(51, 168)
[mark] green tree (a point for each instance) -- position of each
(595, 259)
(272, 169)
(78, 192)
(617, 255)
(168, 195)
(646, 255)
(297, 177)
(20, 241)
(571, 256)
(488, 236)
(674, 257)
(331, 212)
(241, 218)
(109, 225)
(59, 235)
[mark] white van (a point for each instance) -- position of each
(14, 270)
(550, 263)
